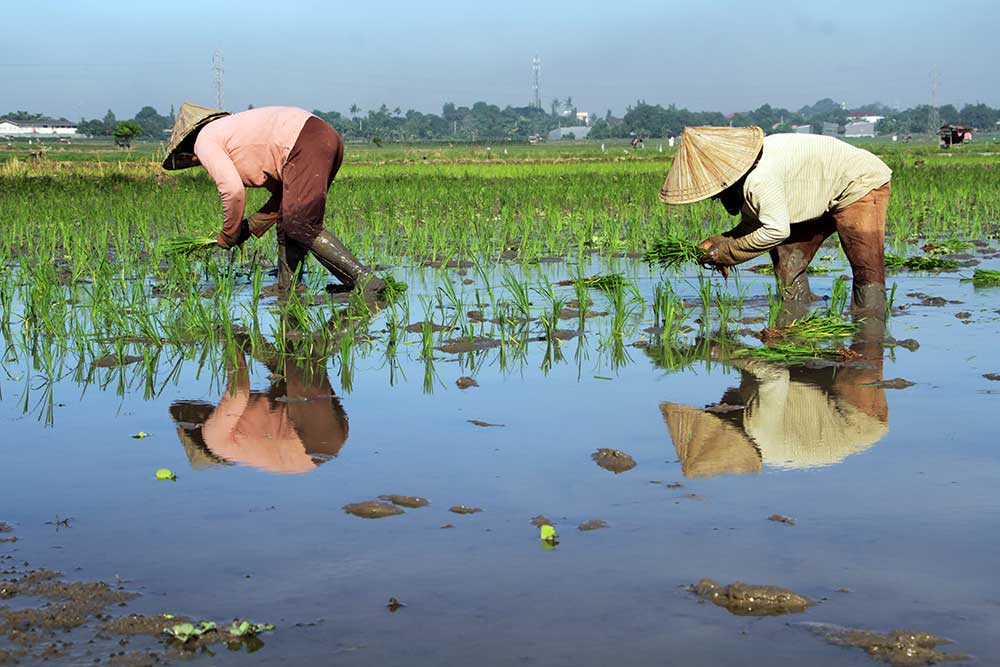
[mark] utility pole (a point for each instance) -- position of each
(217, 61)
(536, 66)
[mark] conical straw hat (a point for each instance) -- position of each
(709, 160)
(190, 118)
(708, 446)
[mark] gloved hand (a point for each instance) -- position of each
(723, 251)
(225, 242)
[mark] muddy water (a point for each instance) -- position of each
(893, 493)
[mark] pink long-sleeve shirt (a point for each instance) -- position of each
(247, 149)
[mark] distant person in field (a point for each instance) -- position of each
(792, 191)
(292, 154)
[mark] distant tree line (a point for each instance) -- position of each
(489, 122)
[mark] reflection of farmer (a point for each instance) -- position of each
(295, 426)
(794, 417)
(792, 192)
(289, 152)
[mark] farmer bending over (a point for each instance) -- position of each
(291, 153)
(792, 191)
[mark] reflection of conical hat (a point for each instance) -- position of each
(707, 445)
(190, 118)
(709, 160)
(197, 454)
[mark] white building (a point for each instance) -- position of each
(578, 132)
(859, 117)
(37, 128)
(583, 117)
(859, 129)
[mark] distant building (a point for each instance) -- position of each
(830, 129)
(34, 128)
(578, 132)
(859, 129)
(802, 129)
(862, 117)
(583, 117)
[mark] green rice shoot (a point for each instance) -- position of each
(816, 326)
(820, 270)
(896, 263)
(605, 283)
(788, 352)
(186, 245)
(671, 252)
(984, 278)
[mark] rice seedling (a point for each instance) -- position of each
(789, 352)
(673, 252)
(817, 326)
(605, 283)
(984, 278)
(187, 245)
(918, 263)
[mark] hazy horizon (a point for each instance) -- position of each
(328, 56)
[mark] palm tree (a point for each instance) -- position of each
(354, 114)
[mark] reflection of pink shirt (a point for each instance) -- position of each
(247, 149)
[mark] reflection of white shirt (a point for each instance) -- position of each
(798, 425)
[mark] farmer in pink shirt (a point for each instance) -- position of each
(291, 153)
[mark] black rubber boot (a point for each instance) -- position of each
(291, 267)
(869, 298)
(339, 261)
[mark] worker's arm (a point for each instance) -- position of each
(268, 215)
(771, 208)
(227, 179)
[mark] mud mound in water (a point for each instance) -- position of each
(372, 509)
(405, 501)
(593, 524)
(614, 460)
(896, 647)
(752, 600)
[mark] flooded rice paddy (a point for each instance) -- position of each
(380, 491)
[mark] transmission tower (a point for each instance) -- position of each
(536, 67)
(217, 61)
(933, 117)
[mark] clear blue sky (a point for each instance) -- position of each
(77, 58)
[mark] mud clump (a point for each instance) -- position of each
(964, 315)
(462, 509)
(910, 344)
(465, 382)
(995, 377)
(895, 383)
(418, 327)
(614, 460)
(480, 423)
(137, 624)
(780, 518)
(405, 501)
(904, 648)
(752, 600)
(474, 344)
(541, 520)
(111, 361)
(372, 509)
(593, 524)
(6, 527)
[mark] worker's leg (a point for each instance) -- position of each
(310, 168)
(791, 258)
(861, 227)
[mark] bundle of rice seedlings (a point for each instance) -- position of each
(947, 247)
(816, 326)
(393, 287)
(672, 252)
(897, 263)
(791, 352)
(607, 283)
(186, 245)
(984, 278)
(768, 269)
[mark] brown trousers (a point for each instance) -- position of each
(861, 228)
(298, 207)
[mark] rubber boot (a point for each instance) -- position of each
(291, 256)
(869, 298)
(339, 261)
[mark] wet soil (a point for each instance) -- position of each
(752, 600)
(895, 383)
(780, 518)
(995, 377)
(541, 520)
(406, 501)
(462, 509)
(460, 345)
(372, 509)
(138, 624)
(910, 344)
(593, 524)
(896, 647)
(465, 382)
(573, 314)
(418, 327)
(614, 460)
(482, 424)
(964, 315)
(112, 361)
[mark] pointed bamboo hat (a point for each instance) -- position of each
(709, 160)
(707, 445)
(190, 119)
